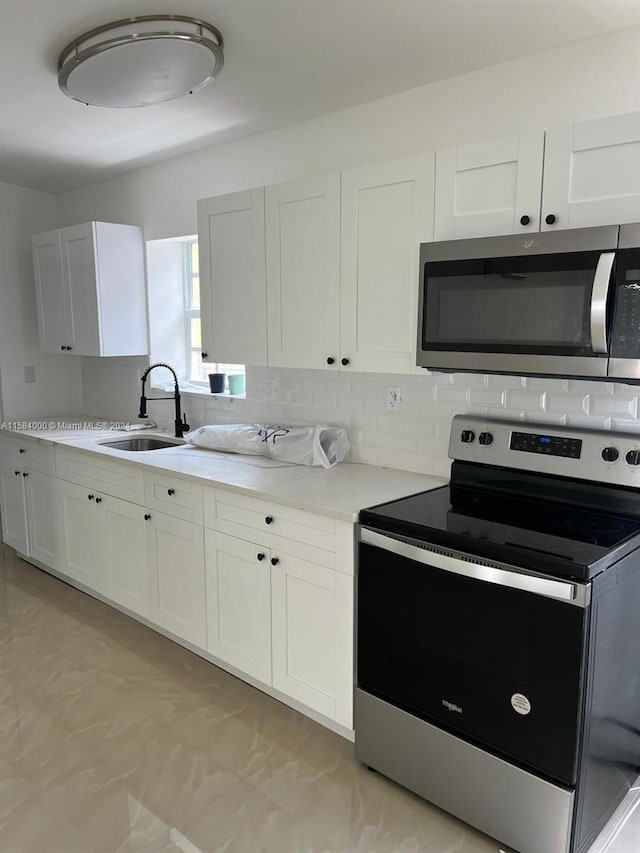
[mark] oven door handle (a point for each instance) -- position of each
(599, 294)
(509, 576)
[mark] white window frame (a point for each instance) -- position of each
(191, 313)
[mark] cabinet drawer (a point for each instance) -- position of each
(173, 495)
(29, 453)
(118, 479)
(297, 532)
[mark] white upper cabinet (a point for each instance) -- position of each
(90, 290)
(387, 211)
(303, 272)
(232, 278)
(488, 188)
(51, 300)
(592, 173)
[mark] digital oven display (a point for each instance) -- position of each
(551, 445)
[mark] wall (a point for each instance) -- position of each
(58, 385)
(595, 77)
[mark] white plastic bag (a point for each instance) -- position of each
(306, 445)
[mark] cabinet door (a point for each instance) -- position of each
(125, 569)
(387, 211)
(239, 603)
(233, 278)
(81, 550)
(41, 518)
(592, 173)
(13, 505)
(486, 188)
(303, 272)
(79, 273)
(176, 575)
(50, 291)
(312, 613)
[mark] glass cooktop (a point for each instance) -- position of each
(541, 535)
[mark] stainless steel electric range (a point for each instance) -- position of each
(498, 633)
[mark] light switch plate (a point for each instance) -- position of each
(29, 374)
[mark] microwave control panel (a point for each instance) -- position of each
(625, 339)
(625, 329)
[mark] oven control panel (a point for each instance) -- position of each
(600, 455)
(553, 445)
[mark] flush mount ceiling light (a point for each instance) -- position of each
(141, 61)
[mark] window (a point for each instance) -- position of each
(174, 312)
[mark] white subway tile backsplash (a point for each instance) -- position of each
(619, 404)
(363, 422)
(498, 381)
(480, 396)
(452, 394)
(416, 438)
(545, 384)
(374, 405)
(622, 425)
(557, 403)
(525, 400)
(469, 379)
(588, 422)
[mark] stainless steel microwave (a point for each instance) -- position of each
(558, 303)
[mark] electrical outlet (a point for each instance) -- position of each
(29, 374)
(269, 389)
(393, 398)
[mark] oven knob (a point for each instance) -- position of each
(467, 436)
(610, 454)
(485, 438)
(633, 457)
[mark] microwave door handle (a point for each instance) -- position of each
(599, 294)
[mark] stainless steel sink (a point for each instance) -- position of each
(140, 443)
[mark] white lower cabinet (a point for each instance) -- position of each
(239, 603)
(265, 588)
(312, 635)
(41, 526)
(27, 501)
(283, 620)
(176, 565)
(12, 501)
(81, 546)
(124, 570)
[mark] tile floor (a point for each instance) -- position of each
(115, 740)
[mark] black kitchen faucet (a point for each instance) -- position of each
(180, 425)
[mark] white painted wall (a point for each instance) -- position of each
(592, 78)
(58, 386)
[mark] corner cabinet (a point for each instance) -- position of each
(90, 290)
(231, 236)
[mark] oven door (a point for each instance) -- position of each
(494, 305)
(488, 653)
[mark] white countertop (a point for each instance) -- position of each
(340, 492)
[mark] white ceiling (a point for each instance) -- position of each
(285, 60)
